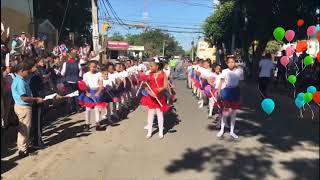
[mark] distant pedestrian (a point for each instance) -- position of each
(265, 71)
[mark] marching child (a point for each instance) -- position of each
(214, 80)
(92, 97)
(230, 94)
(108, 85)
(155, 101)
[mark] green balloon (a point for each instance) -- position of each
(279, 33)
(292, 79)
(307, 97)
(307, 60)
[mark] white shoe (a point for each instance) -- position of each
(146, 127)
(161, 136)
(201, 105)
(220, 134)
(199, 102)
(234, 135)
(148, 136)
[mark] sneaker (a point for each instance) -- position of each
(161, 136)
(234, 135)
(220, 134)
(146, 127)
(209, 117)
(23, 154)
(99, 128)
(148, 136)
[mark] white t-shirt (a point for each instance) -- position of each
(231, 78)
(217, 78)
(92, 80)
(266, 66)
(205, 73)
(108, 82)
(124, 74)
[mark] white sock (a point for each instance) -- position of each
(151, 113)
(233, 123)
(223, 122)
(211, 103)
(160, 122)
(97, 114)
(87, 115)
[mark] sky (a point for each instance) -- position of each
(180, 15)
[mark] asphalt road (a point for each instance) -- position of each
(277, 147)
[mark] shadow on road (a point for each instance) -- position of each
(282, 131)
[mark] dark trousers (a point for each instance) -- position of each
(73, 102)
(263, 85)
(36, 125)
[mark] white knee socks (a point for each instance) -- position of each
(160, 122)
(97, 114)
(211, 104)
(151, 113)
(232, 114)
(87, 115)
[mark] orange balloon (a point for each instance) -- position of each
(300, 22)
(316, 97)
(318, 56)
(318, 36)
(302, 46)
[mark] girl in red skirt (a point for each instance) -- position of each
(155, 101)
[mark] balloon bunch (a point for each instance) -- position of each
(306, 98)
(279, 34)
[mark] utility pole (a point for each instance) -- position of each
(163, 47)
(95, 34)
(192, 43)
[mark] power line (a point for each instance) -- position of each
(192, 3)
(159, 24)
(114, 12)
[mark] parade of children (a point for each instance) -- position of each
(221, 89)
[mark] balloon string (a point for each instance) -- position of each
(301, 70)
(297, 68)
(311, 110)
(301, 114)
(261, 92)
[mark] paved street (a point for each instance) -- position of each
(277, 147)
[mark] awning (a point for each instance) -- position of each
(117, 45)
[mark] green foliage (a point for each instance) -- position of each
(152, 40)
(273, 46)
(77, 19)
(219, 25)
(116, 37)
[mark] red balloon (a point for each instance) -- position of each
(316, 97)
(301, 46)
(318, 56)
(300, 22)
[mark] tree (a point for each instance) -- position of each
(218, 27)
(77, 18)
(116, 37)
(153, 40)
(256, 21)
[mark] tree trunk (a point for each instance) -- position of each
(263, 40)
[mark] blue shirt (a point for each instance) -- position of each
(20, 87)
